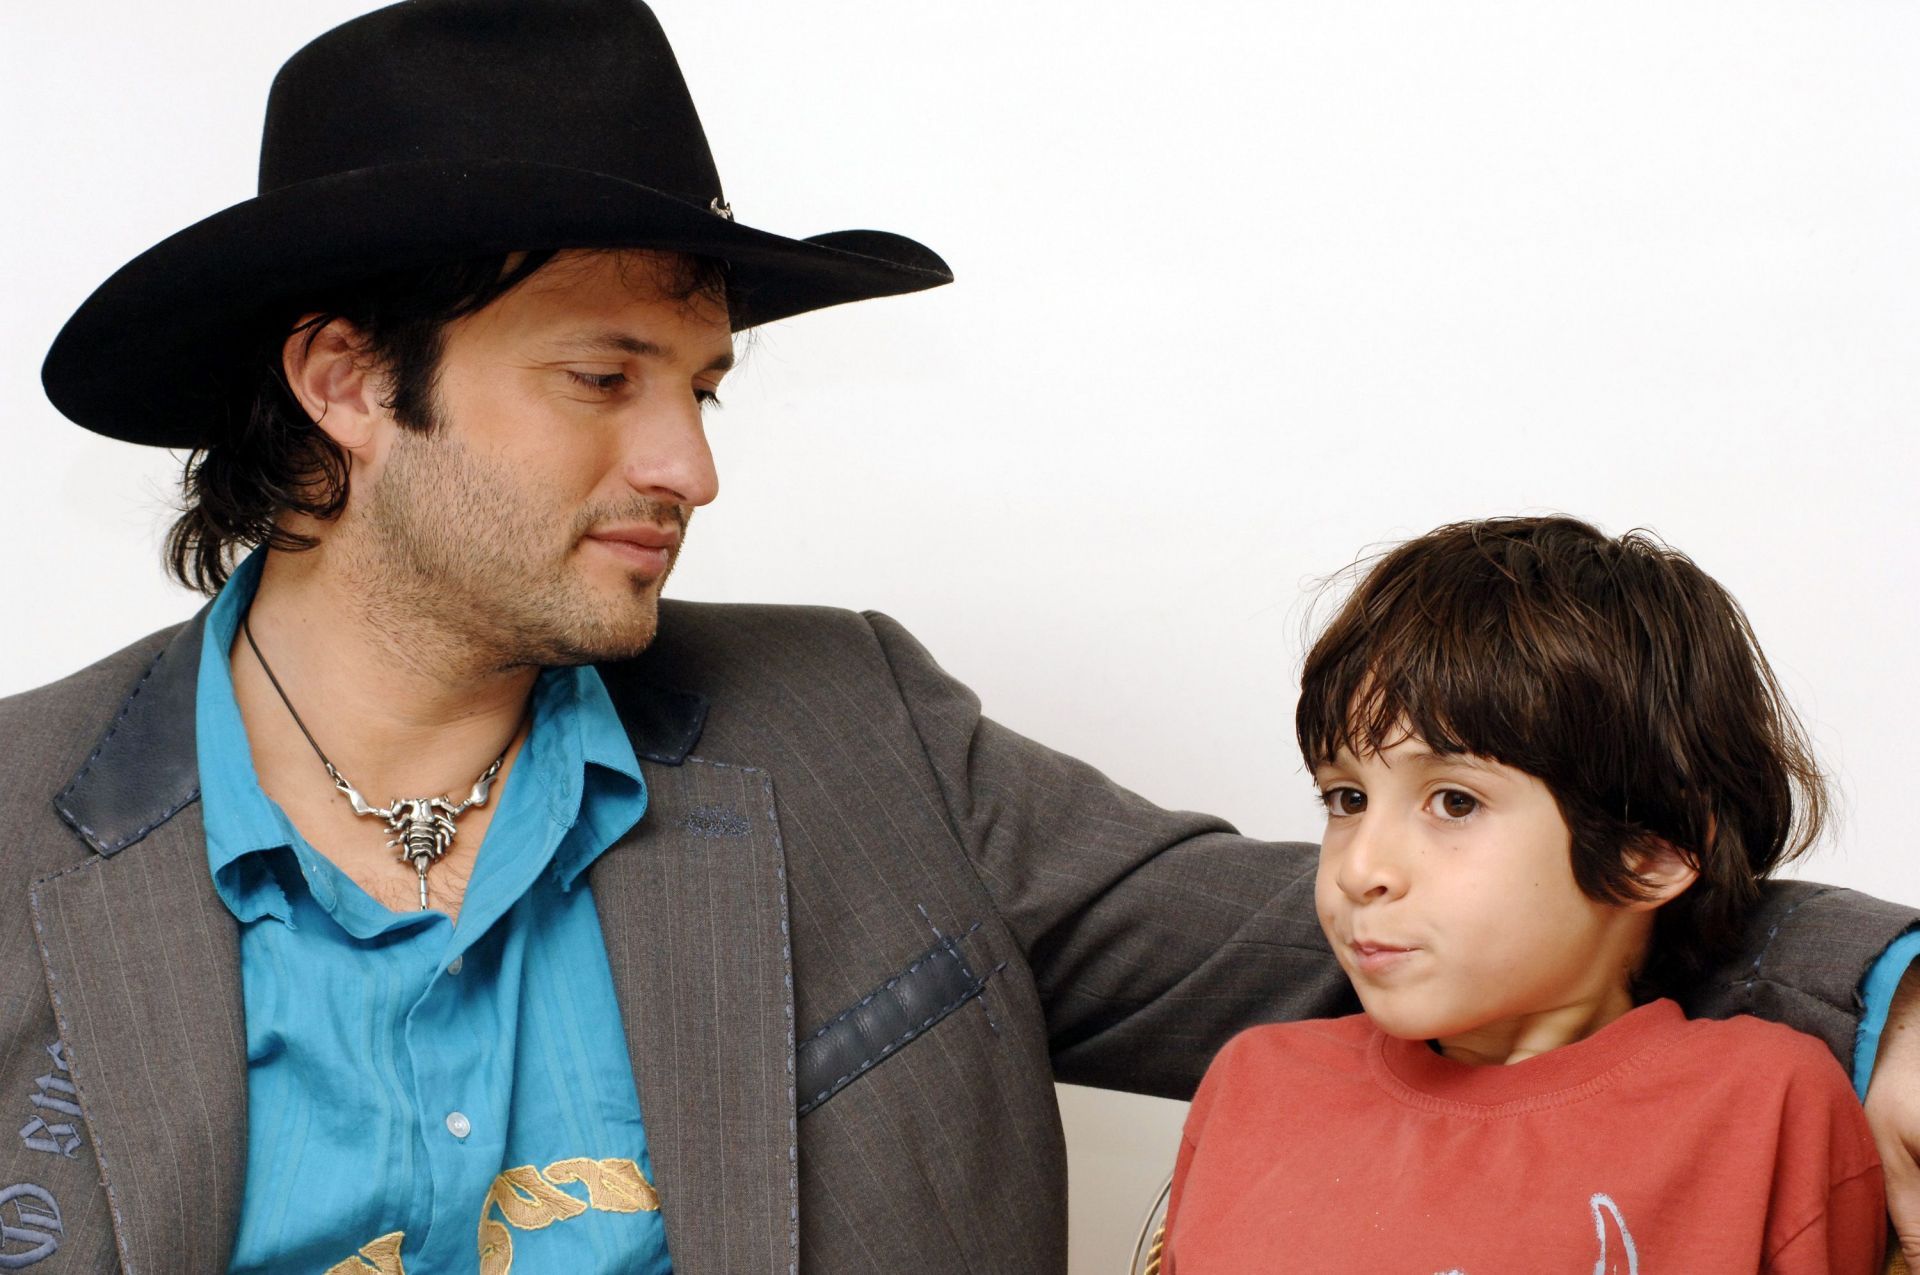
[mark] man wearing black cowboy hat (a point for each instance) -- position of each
(777, 945)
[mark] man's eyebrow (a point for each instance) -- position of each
(609, 341)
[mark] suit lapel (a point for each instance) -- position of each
(142, 961)
(693, 903)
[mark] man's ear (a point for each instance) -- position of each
(1664, 872)
(334, 382)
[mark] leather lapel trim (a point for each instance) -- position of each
(144, 769)
(142, 963)
(693, 903)
(664, 724)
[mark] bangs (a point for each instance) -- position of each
(1443, 670)
(1475, 643)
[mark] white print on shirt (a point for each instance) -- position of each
(1607, 1263)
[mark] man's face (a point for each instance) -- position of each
(538, 520)
(1446, 889)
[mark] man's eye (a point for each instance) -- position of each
(1341, 802)
(601, 382)
(1451, 803)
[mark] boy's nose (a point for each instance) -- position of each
(1371, 869)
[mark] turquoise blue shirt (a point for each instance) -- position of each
(420, 1094)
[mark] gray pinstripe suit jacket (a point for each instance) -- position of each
(858, 935)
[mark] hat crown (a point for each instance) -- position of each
(584, 84)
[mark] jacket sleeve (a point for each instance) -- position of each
(1806, 952)
(1153, 935)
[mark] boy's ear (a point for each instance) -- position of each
(1664, 871)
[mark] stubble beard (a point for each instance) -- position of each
(467, 567)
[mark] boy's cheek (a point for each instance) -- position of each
(1327, 903)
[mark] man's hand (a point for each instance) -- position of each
(1893, 1109)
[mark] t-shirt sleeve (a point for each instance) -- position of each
(1828, 1212)
(1847, 1238)
(1180, 1167)
(1191, 1134)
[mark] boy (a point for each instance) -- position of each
(1555, 767)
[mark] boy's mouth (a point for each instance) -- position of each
(1378, 958)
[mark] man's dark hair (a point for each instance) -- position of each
(1613, 670)
(267, 457)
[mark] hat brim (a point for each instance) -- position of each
(152, 354)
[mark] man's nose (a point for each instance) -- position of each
(668, 458)
(1372, 864)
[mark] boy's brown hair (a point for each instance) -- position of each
(1616, 672)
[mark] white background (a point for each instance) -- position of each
(1244, 289)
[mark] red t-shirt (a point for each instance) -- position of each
(1657, 1146)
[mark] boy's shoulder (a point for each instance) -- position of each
(1308, 1044)
(1754, 1055)
(1308, 1057)
(1750, 1078)
(1745, 1037)
(1348, 1032)
(1759, 1084)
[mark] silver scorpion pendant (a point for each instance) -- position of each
(422, 827)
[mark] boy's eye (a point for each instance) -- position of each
(1341, 802)
(1453, 804)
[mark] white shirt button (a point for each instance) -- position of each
(458, 1125)
(454, 966)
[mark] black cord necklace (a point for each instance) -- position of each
(422, 827)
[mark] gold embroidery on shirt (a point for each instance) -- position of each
(383, 1258)
(496, 1247)
(613, 1186)
(528, 1200)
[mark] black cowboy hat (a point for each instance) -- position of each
(427, 132)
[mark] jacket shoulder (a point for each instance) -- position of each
(758, 623)
(780, 680)
(716, 647)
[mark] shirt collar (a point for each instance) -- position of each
(585, 764)
(240, 818)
